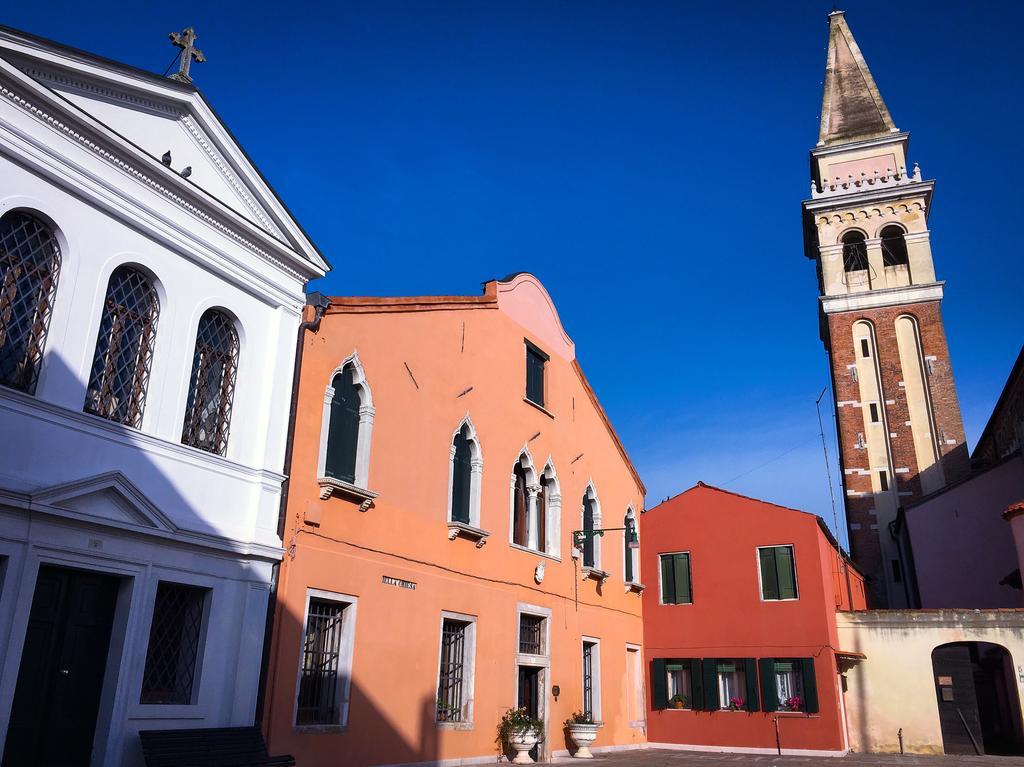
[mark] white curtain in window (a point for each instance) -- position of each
(731, 683)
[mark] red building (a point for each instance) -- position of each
(740, 627)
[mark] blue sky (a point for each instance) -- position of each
(645, 159)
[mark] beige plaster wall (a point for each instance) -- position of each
(894, 686)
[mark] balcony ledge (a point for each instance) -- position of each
(462, 530)
(330, 486)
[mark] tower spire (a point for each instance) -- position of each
(852, 109)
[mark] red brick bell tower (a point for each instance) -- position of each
(900, 432)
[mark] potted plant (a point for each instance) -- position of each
(678, 701)
(793, 703)
(735, 704)
(583, 731)
(520, 732)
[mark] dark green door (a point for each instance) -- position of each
(57, 698)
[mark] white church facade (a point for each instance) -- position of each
(151, 285)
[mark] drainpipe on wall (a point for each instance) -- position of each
(319, 302)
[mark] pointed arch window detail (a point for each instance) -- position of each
(30, 261)
(631, 563)
(124, 348)
(465, 470)
(211, 388)
(345, 434)
(520, 507)
(591, 521)
(462, 476)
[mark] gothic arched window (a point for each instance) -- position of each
(211, 387)
(347, 426)
(520, 507)
(630, 551)
(124, 348)
(462, 472)
(343, 431)
(894, 246)
(29, 268)
(855, 252)
(591, 522)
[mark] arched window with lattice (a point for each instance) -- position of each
(124, 348)
(211, 387)
(30, 261)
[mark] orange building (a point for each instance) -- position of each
(444, 451)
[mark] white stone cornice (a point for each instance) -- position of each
(863, 196)
(874, 299)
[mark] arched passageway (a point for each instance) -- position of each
(976, 691)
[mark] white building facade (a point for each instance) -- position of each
(148, 321)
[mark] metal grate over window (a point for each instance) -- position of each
(450, 696)
(173, 644)
(124, 348)
(588, 679)
(531, 637)
(29, 267)
(321, 654)
(211, 388)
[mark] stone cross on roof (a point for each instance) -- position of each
(186, 40)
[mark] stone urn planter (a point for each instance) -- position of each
(522, 742)
(583, 735)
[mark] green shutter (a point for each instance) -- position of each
(696, 684)
(710, 679)
(786, 572)
(769, 574)
(668, 582)
(659, 684)
(750, 672)
(810, 686)
(681, 565)
(769, 686)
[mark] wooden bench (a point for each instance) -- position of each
(211, 747)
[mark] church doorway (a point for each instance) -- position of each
(976, 690)
(63, 664)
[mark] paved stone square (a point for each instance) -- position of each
(654, 757)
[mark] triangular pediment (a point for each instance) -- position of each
(158, 115)
(109, 498)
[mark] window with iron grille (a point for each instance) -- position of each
(174, 640)
(124, 348)
(536, 360)
(588, 679)
(211, 387)
(531, 634)
(453, 676)
(29, 268)
(320, 676)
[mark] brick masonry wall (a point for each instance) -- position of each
(864, 539)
